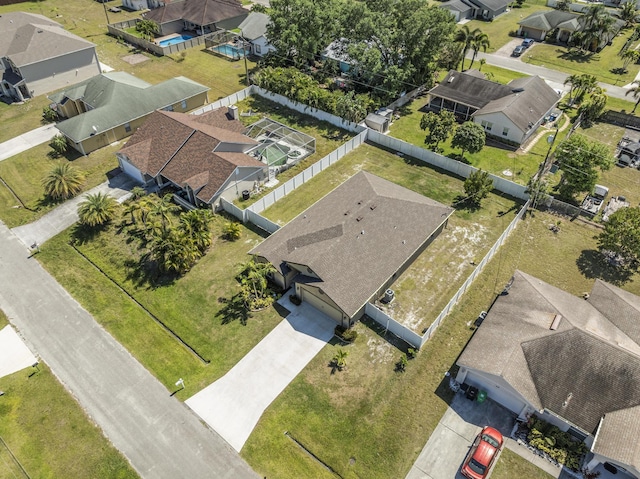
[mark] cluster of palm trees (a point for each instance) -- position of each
(585, 92)
(599, 27)
(474, 40)
(174, 245)
(254, 284)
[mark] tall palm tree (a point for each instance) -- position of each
(635, 91)
(572, 80)
(63, 181)
(195, 225)
(97, 209)
(163, 210)
(147, 28)
(628, 13)
(465, 37)
(480, 41)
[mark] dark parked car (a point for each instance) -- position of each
(527, 42)
(517, 51)
(482, 454)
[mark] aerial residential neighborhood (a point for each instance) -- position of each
(320, 239)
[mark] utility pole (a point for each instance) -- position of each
(244, 54)
(104, 5)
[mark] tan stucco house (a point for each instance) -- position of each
(111, 106)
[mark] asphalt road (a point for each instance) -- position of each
(159, 435)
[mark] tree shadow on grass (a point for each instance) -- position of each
(82, 234)
(578, 56)
(145, 274)
(234, 309)
(594, 265)
(463, 203)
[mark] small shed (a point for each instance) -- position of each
(377, 122)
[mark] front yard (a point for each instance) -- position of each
(601, 64)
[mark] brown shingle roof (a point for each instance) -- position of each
(181, 147)
(357, 237)
(587, 358)
(198, 12)
(618, 436)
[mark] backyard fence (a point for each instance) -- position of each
(305, 175)
(393, 326)
(226, 101)
(439, 161)
(406, 98)
(118, 30)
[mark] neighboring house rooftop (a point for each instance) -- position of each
(586, 369)
(530, 98)
(356, 238)
(456, 5)
(117, 98)
(28, 38)
(548, 19)
(190, 149)
(255, 25)
(198, 12)
(469, 89)
(493, 5)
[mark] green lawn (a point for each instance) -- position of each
(420, 293)
(20, 118)
(369, 421)
(192, 305)
(600, 64)
(48, 432)
(511, 465)
(496, 160)
(503, 29)
(23, 173)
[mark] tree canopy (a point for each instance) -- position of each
(581, 160)
(440, 125)
(63, 181)
(469, 137)
(478, 186)
(621, 234)
(97, 209)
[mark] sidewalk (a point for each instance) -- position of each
(65, 215)
(27, 141)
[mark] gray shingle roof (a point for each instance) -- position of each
(586, 369)
(198, 12)
(456, 5)
(547, 20)
(118, 98)
(618, 436)
(28, 38)
(255, 25)
(356, 237)
(529, 100)
(469, 89)
(493, 5)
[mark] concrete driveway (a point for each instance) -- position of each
(27, 141)
(60, 218)
(233, 405)
(447, 447)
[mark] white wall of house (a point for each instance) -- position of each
(129, 169)
(498, 125)
(245, 179)
(261, 46)
(135, 4)
(497, 389)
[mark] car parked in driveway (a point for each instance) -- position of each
(517, 51)
(527, 42)
(482, 454)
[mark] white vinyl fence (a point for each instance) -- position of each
(393, 326)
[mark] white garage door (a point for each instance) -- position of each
(320, 305)
(131, 170)
(495, 392)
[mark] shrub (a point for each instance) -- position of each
(558, 445)
(49, 115)
(349, 335)
(401, 365)
(295, 300)
(412, 353)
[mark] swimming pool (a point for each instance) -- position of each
(229, 50)
(174, 40)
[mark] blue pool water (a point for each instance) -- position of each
(174, 40)
(229, 50)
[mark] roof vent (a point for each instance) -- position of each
(566, 401)
(451, 79)
(346, 213)
(359, 218)
(556, 322)
(362, 232)
(373, 207)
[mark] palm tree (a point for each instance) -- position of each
(163, 210)
(629, 56)
(340, 359)
(635, 91)
(572, 80)
(147, 28)
(97, 209)
(480, 41)
(232, 230)
(628, 13)
(138, 192)
(59, 145)
(63, 181)
(195, 225)
(132, 208)
(465, 37)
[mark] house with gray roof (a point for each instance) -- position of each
(510, 113)
(573, 362)
(199, 16)
(350, 246)
(467, 9)
(204, 156)
(254, 30)
(38, 56)
(111, 106)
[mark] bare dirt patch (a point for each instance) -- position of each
(135, 59)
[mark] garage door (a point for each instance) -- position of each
(130, 170)
(320, 305)
(495, 392)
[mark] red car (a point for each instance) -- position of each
(482, 454)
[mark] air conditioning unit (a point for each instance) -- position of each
(388, 296)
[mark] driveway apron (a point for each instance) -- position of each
(27, 141)
(233, 404)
